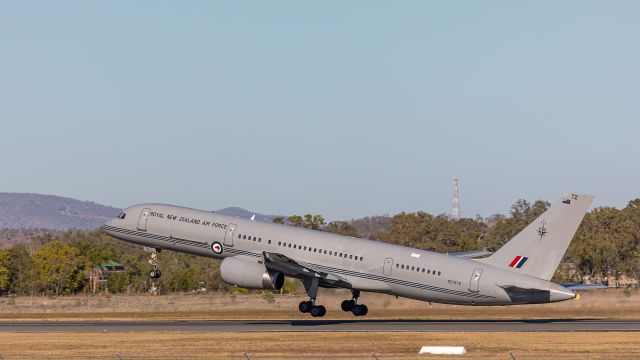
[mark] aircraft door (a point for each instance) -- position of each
(142, 221)
(388, 265)
(475, 280)
(228, 237)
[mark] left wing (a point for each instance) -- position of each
(292, 268)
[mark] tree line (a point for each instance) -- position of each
(605, 248)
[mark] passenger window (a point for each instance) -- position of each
(350, 257)
(438, 273)
(305, 248)
(335, 254)
(314, 249)
(397, 265)
(239, 236)
(279, 243)
(269, 242)
(330, 252)
(254, 238)
(289, 244)
(244, 237)
(284, 244)
(422, 269)
(325, 252)
(340, 254)
(259, 239)
(360, 258)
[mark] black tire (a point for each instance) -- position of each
(347, 305)
(152, 274)
(360, 310)
(318, 311)
(365, 310)
(305, 306)
(158, 273)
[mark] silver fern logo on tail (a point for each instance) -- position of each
(542, 230)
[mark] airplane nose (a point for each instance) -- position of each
(108, 223)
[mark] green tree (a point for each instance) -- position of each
(4, 270)
(435, 233)
(308, 221)
(341, 227)
(22, 270)
(59, 267)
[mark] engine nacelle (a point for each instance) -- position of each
(249, 274)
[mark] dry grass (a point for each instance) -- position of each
(594, 304)
(386, 345)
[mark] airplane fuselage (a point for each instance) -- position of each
(364, 265)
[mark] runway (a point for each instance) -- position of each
(325, 325)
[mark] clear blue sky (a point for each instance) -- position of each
(344, 109)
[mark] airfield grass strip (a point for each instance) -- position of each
(286, 344)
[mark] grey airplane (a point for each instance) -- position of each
(259, 255)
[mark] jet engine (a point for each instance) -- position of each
(251, 275)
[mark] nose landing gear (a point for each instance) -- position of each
(153, 261)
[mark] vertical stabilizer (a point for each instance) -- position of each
(538, 249)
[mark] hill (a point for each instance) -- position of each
(36, 211)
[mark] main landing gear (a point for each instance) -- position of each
(312, 308)
(353, 306)
(311, 287)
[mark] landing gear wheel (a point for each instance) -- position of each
(305, 306)
(347, 305)
(153, 261)
(360, 310)
(318, 311)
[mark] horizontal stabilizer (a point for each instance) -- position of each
(575, 287)
(471, 254)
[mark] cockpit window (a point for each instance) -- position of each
(121, 216)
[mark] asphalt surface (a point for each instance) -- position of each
(324, 325)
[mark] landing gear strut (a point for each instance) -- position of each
(311, 287)
(353, 306)
(155, 272)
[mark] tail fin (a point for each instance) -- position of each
(538, 249)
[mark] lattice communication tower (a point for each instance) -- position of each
(455, 212)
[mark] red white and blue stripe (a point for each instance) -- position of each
(518, 261)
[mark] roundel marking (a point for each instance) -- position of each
(216, 247)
